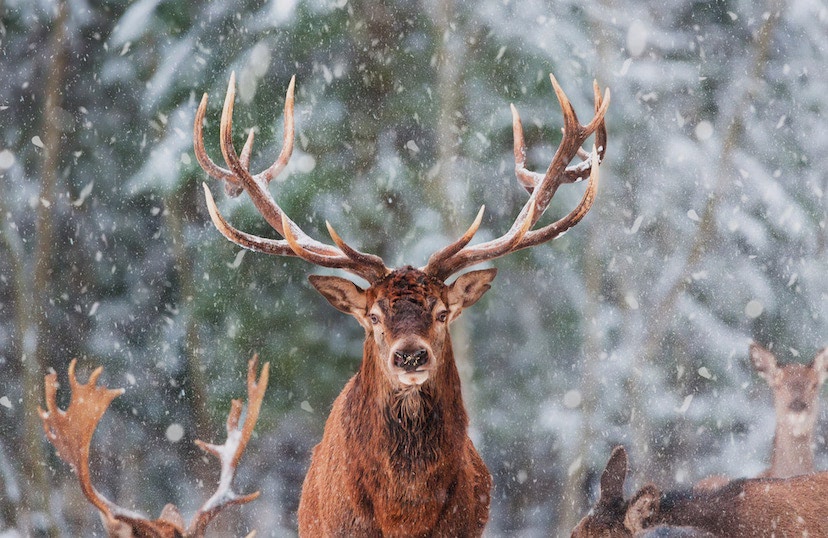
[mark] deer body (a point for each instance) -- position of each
(747, 507)
(754, 507)
(395, 458)
(796, 390)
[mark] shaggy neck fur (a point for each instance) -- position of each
(417, 425)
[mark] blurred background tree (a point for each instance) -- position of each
(708, 232)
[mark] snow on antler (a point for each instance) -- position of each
(71, 431)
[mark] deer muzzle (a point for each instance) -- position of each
(410, 360)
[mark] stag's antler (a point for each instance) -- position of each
(71, 433)
(448, 260)
(296, 242)
(542, 188)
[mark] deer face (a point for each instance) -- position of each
(795, 388)
(406, 317)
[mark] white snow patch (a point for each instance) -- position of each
(6, 159)
(574, 466)
(685, 405)
(175, 432)
(572, 399)
(84, 194)
(754, 309)
(636, 225)
(704, 130)
(5, 402)
(637, 38)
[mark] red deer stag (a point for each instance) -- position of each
(751, 507)
(395, 458)
(796, 401)
(71, 433)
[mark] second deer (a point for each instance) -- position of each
(796, 390)
(395, 457)
(753, 507)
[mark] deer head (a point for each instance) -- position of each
(795, 388)
(405, 312)
(607, 518)
(406, 316)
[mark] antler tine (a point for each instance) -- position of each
(232, 185)
(246, 240)
(363, 265)
(367, 266)
(287, 139)
(452, 249)
(231, 451)
(359, 258)
(558, 228)
(542, 188)
(529, 180)
(71, 431)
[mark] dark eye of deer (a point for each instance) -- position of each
(442, 316)
(374, 318)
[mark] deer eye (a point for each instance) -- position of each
(442, 316)
(374, 318)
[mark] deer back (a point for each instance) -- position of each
(748, 507)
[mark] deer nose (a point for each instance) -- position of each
(797, 406)
(410, 360)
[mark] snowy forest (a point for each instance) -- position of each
(708, 233)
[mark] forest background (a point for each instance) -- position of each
(709, 231)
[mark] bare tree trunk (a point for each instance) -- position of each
(32, 317)
(573, 501)
(195, 382)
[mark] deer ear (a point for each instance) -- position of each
(643, 508)
(820, 364)
(764, 362)
(468, 289)
(612, 479)
(343, 294)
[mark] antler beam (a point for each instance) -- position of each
(542, 188)
(238, 177)
(71, 434)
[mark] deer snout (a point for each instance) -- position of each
(410, 360)
(797, 406)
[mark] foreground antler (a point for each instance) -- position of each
(71, 433)
(445, 262)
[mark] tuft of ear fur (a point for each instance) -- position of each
(764, 362)
(643, 509)
(343, 294)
